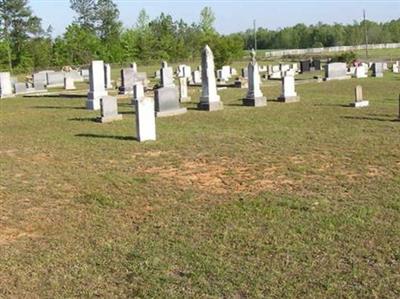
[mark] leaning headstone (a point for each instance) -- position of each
(20, 88)
(167, 102)
(109, 109)
(183, 90)
(289, 94)
(209, 99)
(336, 71)
(97, 89)
(5, 85)
(254, 95)
(166, 75)
(107, 76)
(69, 83)
(358, 98)
(377, 69)
(145, 119)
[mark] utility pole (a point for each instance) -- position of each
(255, 35)
(366, 35)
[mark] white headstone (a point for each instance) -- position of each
(183, 90)
(196, 77)
(254, 95)
(209, 99)
(166, 75)
(288, 90)
(97, 86)
(5, 85)
(359, 72)
(109, 109)
(145, 119)
(69, 83)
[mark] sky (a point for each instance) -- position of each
(233, 15)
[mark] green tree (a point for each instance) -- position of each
(207, 19)
(85, 13)
(18, 25)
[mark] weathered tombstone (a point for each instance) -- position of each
(55, 79)
(133, 66)
(209, 99)
(316, 64)
(39, 77)
(183, 90)
(305, 66)
(358, 98)
(336, 71)
(377, 69)
(157, 74)
(69, 83)
(5, 85)
(245, 72)
(107, 76)
(39, 87)
(97, 87)
(167, 102)
(75, 75)
(145, 119)
(20, 88)
(85, 73)
(289, 94)
(359, 72)
(196, 77)
(166, 75)
(226, 72)
(129, 78)
(109, 109)
(396, 68)
(254, 95)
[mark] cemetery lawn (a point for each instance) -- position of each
(296, 200)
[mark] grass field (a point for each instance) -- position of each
(294, 200)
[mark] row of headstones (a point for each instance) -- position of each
(166, 99)
(339, 70)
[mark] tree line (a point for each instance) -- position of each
(97, 33)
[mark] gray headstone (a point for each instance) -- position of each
(20, 88)
(167, 102)
(109, 109)
(336, 71)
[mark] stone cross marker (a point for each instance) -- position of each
(289, 94)
(97, 86)
(145, 117)
(359, 101)
(209, 99)
(109, 109)
(5, 85)
(254, 95)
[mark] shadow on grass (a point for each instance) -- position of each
(127, 112)
(61, 95)
(370, 118)
(107, 136)
(59, 107)
(92, 119)
(334, 105)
